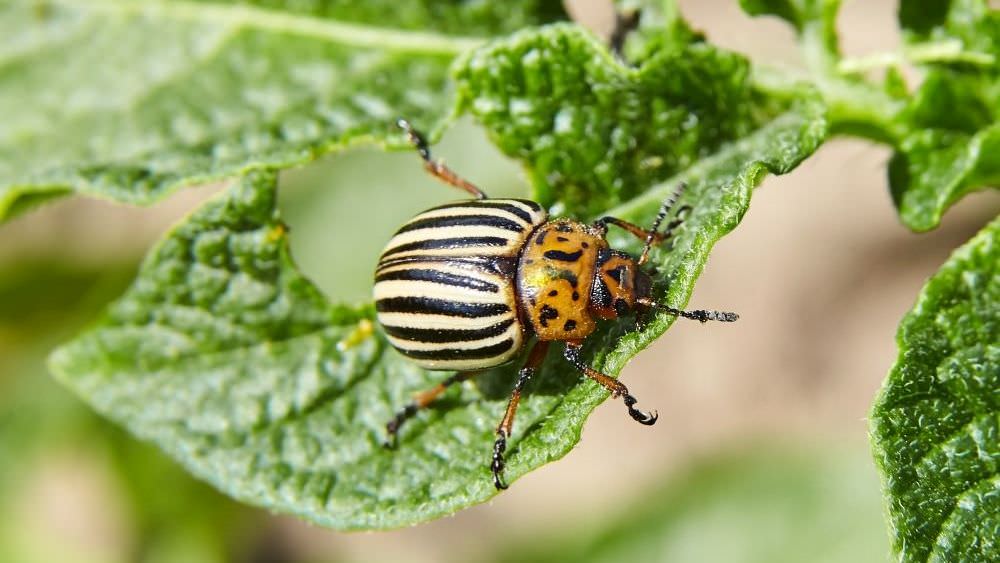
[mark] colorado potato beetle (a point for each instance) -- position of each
(467, 285)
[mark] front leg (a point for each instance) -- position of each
(617, 388)
(507, 423)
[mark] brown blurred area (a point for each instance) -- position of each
(821, 271)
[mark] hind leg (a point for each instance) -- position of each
(436, 167)
(422, 400)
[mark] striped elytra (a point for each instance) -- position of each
(464, 286)
(445, 290)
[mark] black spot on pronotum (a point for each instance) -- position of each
(569, 325)
(562, 239)
(547, 314)
(576, 296)
(540, 239)
(563, 256)
(553, 293)
(564, 228)
(585, 244)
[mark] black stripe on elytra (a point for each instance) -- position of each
(463, 221)
(441, 335)
(430, 306)
(460, 354)
(437, 276)
(563, 256)
(509, 208)
(446, 243)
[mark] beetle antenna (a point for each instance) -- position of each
(652, 236)
(696, 315)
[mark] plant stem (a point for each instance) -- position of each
(947, 51)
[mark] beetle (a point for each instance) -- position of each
(467, 285)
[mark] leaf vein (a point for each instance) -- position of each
(245, 16)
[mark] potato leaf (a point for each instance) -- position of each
(235, 365)
(952, 143)
(129, 100)
(936, 423)
(594, 132)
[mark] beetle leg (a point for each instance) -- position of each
(421, 400)
(651, 236)
(437, 167)
(506, 425)
(632, 228)
(617, 388)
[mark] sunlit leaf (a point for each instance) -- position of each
(936, 423)
(129, 100)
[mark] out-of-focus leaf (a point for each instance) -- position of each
(43, 302)
(128, 100)
(936, 423)
(768, 506)
(952, 144)
(973, 22)
(936, 167)
(41, 423)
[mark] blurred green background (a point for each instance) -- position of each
(761, 451)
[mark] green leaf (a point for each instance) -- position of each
(936, 423)
(595, 133)
(922, 16)
(760, 504)
(952, 140)
(236, 366)
(130, 100)
(800, 13)
(973, 22)
(936, 167)
(660, 26)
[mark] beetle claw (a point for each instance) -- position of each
(498, 463)
(639, 416)
(392, 427)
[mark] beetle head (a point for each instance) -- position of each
(619, 284)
